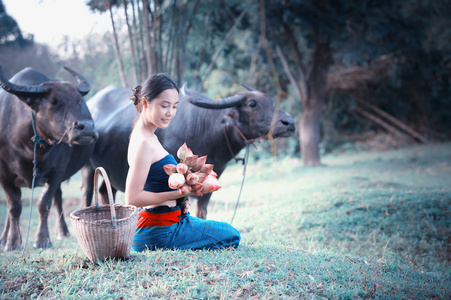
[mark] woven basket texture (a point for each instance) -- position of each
(94, 228)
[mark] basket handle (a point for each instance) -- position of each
(110, 192)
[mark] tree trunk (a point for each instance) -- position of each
(148, 38)
(159, 58)
(177, 53)
(137, 39)
(187, 21)
(309, 133)
(154, 33)
(309, 125)
(201, 48)
(116, 46)
(132, 43)
(141, 49)
(170, 51)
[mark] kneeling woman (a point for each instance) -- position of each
(161, 223)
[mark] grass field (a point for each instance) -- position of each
(364, 225)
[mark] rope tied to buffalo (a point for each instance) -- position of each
(36, 141)
(246, 159)
(244, 162)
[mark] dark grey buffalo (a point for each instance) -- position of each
(67, 135)
(216, 128)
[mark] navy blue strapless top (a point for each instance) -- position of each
(157, 179)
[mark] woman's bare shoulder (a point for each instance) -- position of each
(140, 148)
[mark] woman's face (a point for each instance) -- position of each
(162, 109)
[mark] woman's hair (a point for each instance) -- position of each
(151, 88)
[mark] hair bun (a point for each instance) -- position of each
(133, 96)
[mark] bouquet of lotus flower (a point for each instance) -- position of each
(192, 174)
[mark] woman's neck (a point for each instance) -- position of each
(146, 125)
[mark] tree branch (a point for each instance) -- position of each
(301, 94)
(265, 45)
(216, 55)
(297, 60)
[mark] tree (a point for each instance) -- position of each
(103, 5)
(10, 33)
(307, 49)
(310, 36)
(161, 35)
(18, 51)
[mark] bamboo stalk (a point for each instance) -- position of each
(148, 47)
(379, 121)
(132, 44)
(394, 120)
(116, 46)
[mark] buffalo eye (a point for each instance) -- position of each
(54, 101)
(252, 103)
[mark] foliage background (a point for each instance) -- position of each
(391, 54)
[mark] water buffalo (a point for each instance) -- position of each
(216, 128)
(66, 134)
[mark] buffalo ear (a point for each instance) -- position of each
(231, 117)
(32, 102)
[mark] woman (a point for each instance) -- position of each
(161, 223)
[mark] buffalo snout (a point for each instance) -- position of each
(285, 126)
(83, 133)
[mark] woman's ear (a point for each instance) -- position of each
(144, 101)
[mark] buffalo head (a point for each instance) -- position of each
(58, 107)
(251, 112)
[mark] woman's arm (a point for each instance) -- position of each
(140, 161)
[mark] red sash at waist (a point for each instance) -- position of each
(148, 219)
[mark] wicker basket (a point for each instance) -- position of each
(105, 231)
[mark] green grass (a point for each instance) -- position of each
(364, 225)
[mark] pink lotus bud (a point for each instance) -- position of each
(207, 168)
(213, 173)
(176, 181)
(192, 179)
(198, 189)
(211, 184)
(190, 160)
(185, 190)
(182, 168)
(201, 176)
(199, 163)
(170, 169)
(181, 152)
(189, 152)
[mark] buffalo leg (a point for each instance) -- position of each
(4, 235)
(44, 204)
(114, 191)
(104, 193)
(11, 236)
(87, 185)
(202, 203)
(61, 227)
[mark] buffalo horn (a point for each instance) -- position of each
(248, 87)
(83, 85)
(21, 90)
(200, 100)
